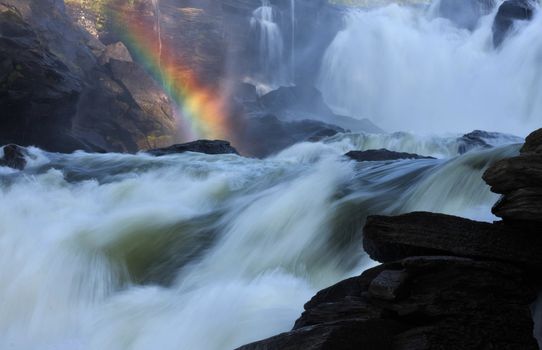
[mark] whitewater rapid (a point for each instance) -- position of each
(193, 251)
(407, 69)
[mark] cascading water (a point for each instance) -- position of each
(158, 27)
(190, 251)
(408, 70)
(292, 48)
(271, 72)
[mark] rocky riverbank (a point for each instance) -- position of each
(444, 283)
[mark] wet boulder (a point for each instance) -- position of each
(200, 146)
(508, 14)
(382, 155)
(13, 157)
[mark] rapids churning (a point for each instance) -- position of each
(191, 251)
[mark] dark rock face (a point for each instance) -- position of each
(392, 238)
(117, 51)
(381, 155)
(519, 180)
(524, 204)
(465, 13)
(479, 139)
(13, 157)
(533, 143)
(439, 302)
(515, 173)
(56, 94)
(200, 146)
(38, 92)
(509, 12)
(307, 102)
(268, 134)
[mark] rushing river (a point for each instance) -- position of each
(192, 251)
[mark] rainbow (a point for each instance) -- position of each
(199, 107)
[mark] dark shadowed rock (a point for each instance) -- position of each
(55, 94)
(306, 102)
(13, 157)
(117, 51)
(444, 298)
(510, 12)
(296, 98)
(533, 143)
(524, 204)
(389, 238)
(511, 174)
(200, 146)
(268, 134)
(340, 335)
(38, 92)
(381, 155)
(519, 179)
(465, 13)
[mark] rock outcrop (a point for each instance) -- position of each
(519, 180)
(508, 14)
(13, 157)
(200, 146)
(306, 102)
(268, 134)
(445, 282)
(382, 155)
(387, 239)
(56, 93)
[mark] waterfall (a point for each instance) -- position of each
(158, 28)
(292, 48)
(271, 70)
(407, 70)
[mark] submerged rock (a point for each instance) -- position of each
(200, 146)
(381, 155)
(510, 12)
(13, 157)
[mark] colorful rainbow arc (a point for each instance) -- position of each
(198, 105)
